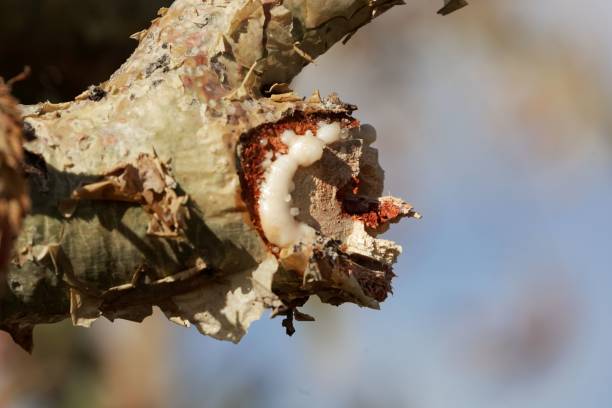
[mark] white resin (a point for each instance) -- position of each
(275, 211)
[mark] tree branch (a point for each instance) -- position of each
(150, 188)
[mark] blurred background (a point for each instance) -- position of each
(494, 122)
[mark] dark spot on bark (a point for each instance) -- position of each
(219, 67)
(203, 24)
(96, 93)
(162, 63)
(35, 167)
(354, 204)
(29, 133)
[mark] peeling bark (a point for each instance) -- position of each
(145, 188)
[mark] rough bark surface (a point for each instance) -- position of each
(144, 189)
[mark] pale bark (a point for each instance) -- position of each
(140, 188)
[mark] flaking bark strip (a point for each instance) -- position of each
(146, 182)
(119, 297)
(137, 296)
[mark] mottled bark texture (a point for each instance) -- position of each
(145, 188)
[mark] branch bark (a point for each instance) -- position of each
(146, 190)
